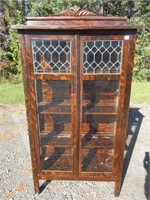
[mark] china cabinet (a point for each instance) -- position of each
(77, 70)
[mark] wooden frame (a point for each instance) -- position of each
(65, 28)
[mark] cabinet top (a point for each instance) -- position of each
(75, 19)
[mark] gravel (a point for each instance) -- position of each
(15, 164)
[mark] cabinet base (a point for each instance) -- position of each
(38, 189)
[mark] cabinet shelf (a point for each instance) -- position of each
(85, 102)
(60, 140)
(99, 110)
(98, 133)
(96, 141)
(88, 108)
(89, 140)
(55, 109)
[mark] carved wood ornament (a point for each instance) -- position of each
(76, 11)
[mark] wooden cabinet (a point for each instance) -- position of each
(77, 77)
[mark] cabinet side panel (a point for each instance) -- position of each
(125, 88)
(28, 110)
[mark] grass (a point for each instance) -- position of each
(13, 93)
(140, 92)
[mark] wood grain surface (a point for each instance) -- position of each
(76, 122)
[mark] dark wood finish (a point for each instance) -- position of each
(74, 25)
(77, 121)
(30, 120)
(124, 107)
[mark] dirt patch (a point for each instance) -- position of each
(18, 188)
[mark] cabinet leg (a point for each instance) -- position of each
(117, 188)
(36, 186)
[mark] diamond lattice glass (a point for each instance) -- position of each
(102, 56)
(51, 56)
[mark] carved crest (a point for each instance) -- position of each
(76, 11)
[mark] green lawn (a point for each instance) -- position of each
(13, 93)
(140, 92)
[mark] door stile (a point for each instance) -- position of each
(74, 112)
(80, 109)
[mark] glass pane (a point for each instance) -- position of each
(97, 160)
(51, 56)
(99, 109)
(55, 124)
(102, 56)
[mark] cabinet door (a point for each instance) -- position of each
(53, 74)
(101, 66)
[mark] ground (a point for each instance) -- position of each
(15, 164)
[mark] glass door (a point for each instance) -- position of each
(54, 76)
(55, 124)
(101, 62)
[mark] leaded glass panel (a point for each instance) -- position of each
(102, 56)
(51, 56)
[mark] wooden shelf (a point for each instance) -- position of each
(99, 110)
(98, 133)
(97, 141)
(89, 140)
(60, 140)
(62, 134)
(101, 103)
(55, 109)
(88, 108)
(85, 102)
(66, 102)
